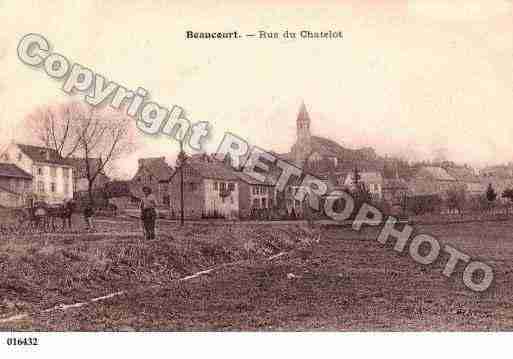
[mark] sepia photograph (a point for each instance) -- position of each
(302, 175)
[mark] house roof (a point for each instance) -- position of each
(43, 154)
(13, 171)
(463, 174)
(213, 170)
(435, 173)
(157, 166)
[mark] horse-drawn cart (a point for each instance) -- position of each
(39, 218)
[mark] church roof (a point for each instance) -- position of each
(329, 148)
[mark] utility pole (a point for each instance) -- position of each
(181, 159)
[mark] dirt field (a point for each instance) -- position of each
(347, 281)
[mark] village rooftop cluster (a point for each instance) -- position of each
(214, 189)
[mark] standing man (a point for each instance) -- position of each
(88, 216)
(148, 213)
(67, 213)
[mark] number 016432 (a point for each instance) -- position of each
(22, 341)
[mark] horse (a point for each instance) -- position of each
(42, 216)
(63, 212)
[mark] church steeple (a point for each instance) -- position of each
(303, 123)
(303, 146)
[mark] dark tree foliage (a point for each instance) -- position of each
(508, 194)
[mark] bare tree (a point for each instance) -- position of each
(54, 126)
(76, 130)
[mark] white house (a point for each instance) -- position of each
(210, 189)
(373, 182)
(52, 174)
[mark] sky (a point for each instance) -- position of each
(409, 78)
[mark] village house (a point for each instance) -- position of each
(15, 186)
(124, 194)
(52, 175)
(395, 190)
(213, 189)
(210, 189)
(467, 180)
(80, 180)
(500, 171)
(432, 180)
(373, 182)
(155, 173)
(499, 177)
(254, 195)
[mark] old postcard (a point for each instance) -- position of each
(223, 166)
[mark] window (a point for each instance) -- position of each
(65, 173)
(254, 190)
(223, 186)
(256, 203)
(53, 172)
(40, 171)
(216, 186)
(27, 186)
(231, 186)
(12, 184)
(53, 187)
(264, 203)
(40, 186)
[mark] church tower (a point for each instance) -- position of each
(303, 144)
(303, 124)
